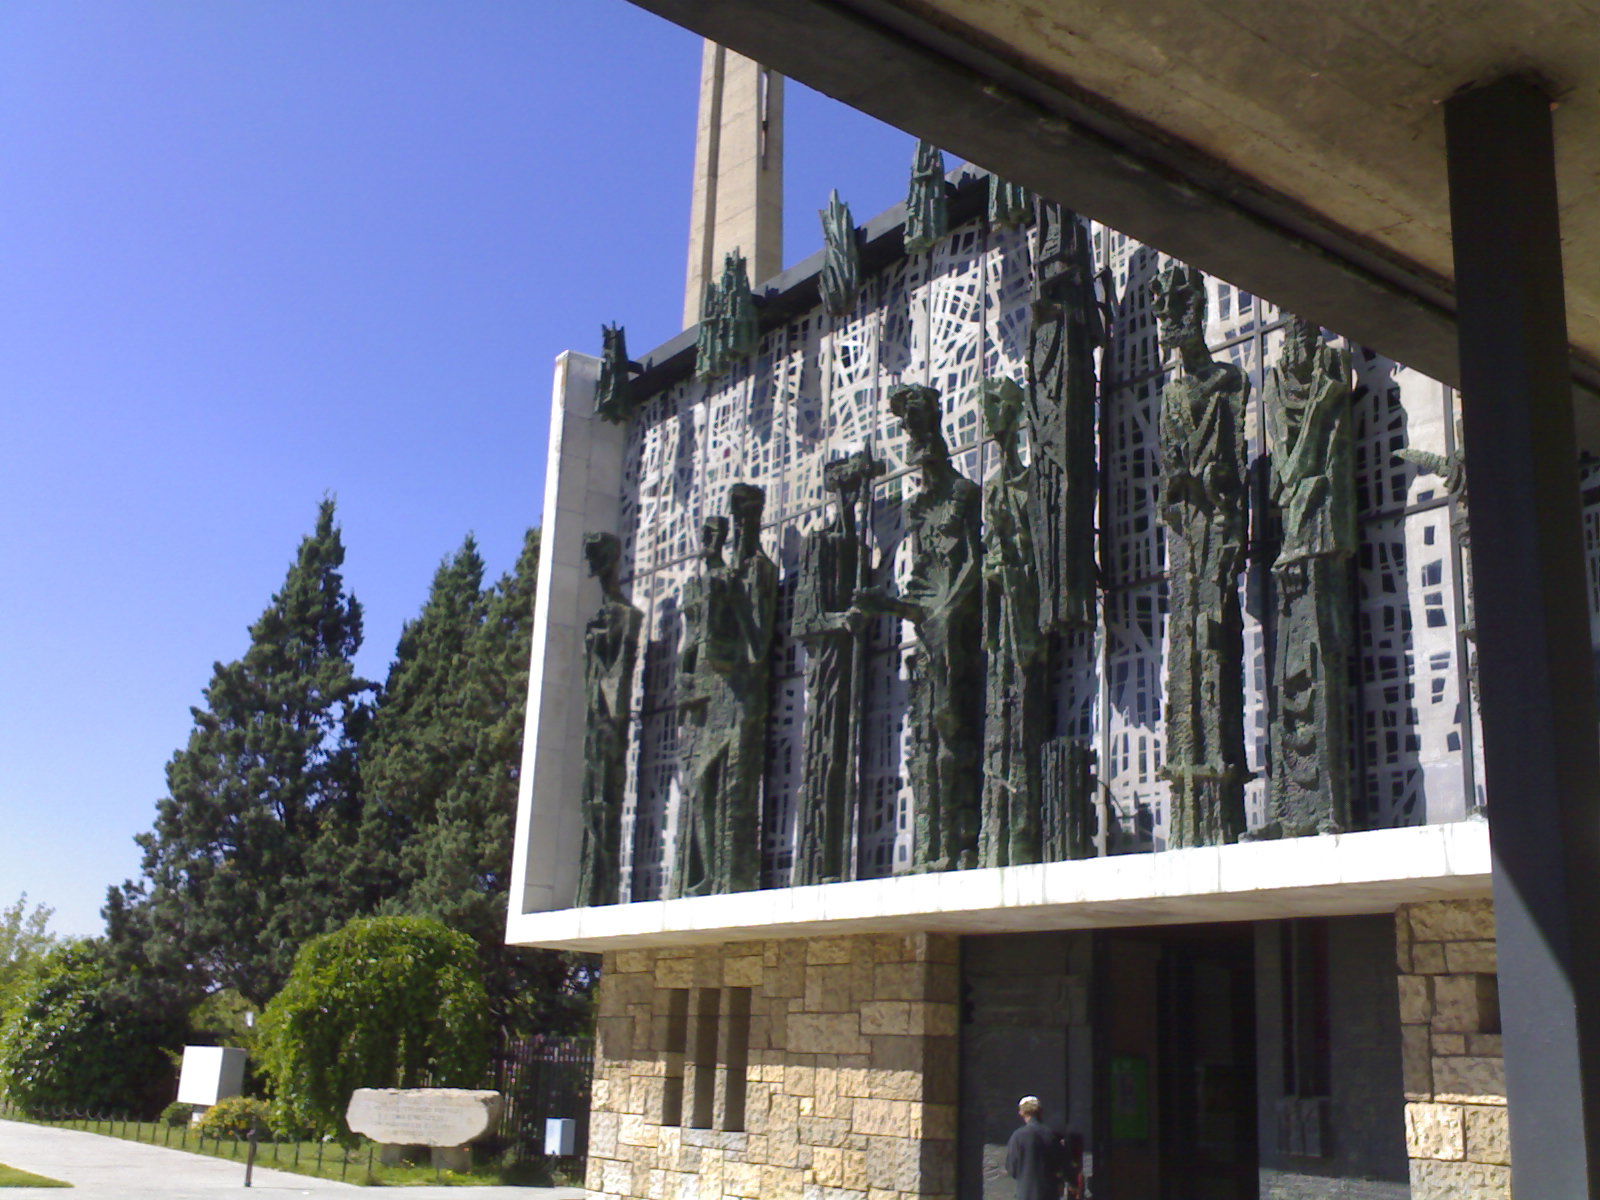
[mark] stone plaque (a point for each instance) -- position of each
(423, 1116)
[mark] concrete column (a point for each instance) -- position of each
(1541, 736)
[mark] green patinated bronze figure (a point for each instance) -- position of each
(1203, 508)
(942, 598)
(833, 565)
(729, 327)
(1010, 204)
(1068, 326)
(723, 683)
(841, 263)
(610, 647)
(1016, 704)
(927, 204)
(1306, 402)
(614, 398)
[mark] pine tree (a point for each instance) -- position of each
(241, 865)
(441, 781)
(421, 734)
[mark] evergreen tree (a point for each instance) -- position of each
(262, 803)
(441, 779)
(421, 735)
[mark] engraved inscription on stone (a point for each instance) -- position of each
(423, 1116)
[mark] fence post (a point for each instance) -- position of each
(250, 1162)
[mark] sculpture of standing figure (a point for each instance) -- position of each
(723, 702)
(610, 646)
(1203, 507)
(943, 600)
(1067, 327)
(1307, 406)
(832, 567)
(1014, 724)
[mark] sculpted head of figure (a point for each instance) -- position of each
(848, 475)
(602, 551)
(1002, 409)
(1178, 298)
(745, 502)
(1302, 340)
(918, 410)
(713, 536)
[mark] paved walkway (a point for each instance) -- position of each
(107, 1168)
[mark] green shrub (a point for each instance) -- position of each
(177, 1113)
(75, 1041)
(235, 1117)
(383, 1002)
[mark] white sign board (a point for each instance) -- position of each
(210, 1073)
(560, 1136)
(422, 1116)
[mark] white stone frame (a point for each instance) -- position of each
(582, 493)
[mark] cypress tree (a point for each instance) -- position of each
(240, 867)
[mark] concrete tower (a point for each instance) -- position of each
(738, 173)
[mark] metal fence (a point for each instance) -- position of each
(543, 1077)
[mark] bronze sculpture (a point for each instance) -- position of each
(927, 205)
(943, 600)
(610, 645)
(1203, 508)
(614, 398)
(723, 681)
(1306, 401)
(832, 566)
(1014, 720)
(840, 280)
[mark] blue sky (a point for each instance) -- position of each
(257, 252)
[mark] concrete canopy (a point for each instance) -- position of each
(1293, 147)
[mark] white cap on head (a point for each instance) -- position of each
(1028, 1104)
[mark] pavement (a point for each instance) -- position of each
(108, 1168)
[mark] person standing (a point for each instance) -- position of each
(1034, 1156)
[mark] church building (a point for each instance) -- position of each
(990, 658)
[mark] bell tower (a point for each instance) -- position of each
(738, 173)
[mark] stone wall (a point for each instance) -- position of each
(848, 1088)
(1454, 1070)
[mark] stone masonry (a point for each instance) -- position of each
(841, 1053)
(1456, 1132)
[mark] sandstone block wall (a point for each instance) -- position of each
(1454, 1069)
(848, 1089)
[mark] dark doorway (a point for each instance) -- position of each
(1175, 1078)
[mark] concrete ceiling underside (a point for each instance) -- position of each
(1292, 147)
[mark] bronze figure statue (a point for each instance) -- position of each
(610, 646)
(723, 680)
(943, 600)
(1306, 402)
(832, 567)
(1014, 719)
(1203, 508)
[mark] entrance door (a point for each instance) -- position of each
(1177, 1082)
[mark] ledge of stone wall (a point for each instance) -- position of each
(1337, 875)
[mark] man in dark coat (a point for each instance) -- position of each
(1034, 1155)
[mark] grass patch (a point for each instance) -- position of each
(322, 1160)
(12, 1177)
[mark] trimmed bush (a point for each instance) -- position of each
(383, 1002)
(176, 1114)
(235, 1117)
